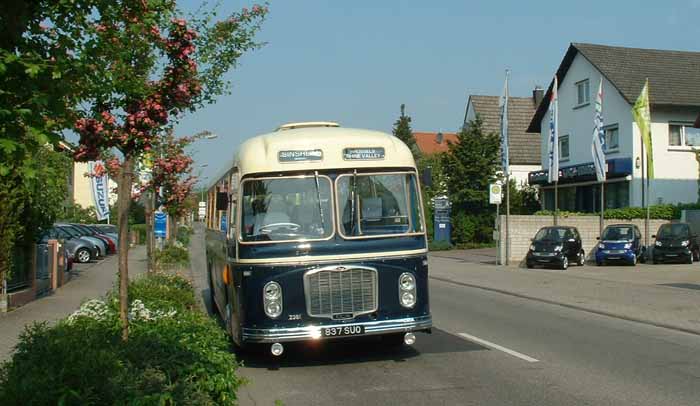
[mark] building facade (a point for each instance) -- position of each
(524, 148)
(674, 84)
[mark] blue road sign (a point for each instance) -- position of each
(160, 224)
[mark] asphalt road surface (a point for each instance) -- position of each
(488, 349)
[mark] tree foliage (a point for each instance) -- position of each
(472, 164)
(402, 130)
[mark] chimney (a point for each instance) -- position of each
(439, 137)
(537, 95)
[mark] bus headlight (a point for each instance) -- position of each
(407, 290)
(272, 299)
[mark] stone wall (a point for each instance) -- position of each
(524, 228)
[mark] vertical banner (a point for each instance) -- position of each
(160, 224)
(553, 147)
(100, 189)
(598, 145)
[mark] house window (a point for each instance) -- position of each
(583, 92)
(683, 135)
(563, 147)
(612, 138)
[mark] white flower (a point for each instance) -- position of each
(95, 309)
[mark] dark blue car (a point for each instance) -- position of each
(620, 243)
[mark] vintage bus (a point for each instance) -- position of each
(316, 232)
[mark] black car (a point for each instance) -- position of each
(676, 242)
(556, 246)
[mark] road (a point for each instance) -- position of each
(488, 348)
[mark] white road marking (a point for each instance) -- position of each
(498, 347)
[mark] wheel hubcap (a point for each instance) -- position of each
(84, 256)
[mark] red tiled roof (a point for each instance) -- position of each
(428, 145)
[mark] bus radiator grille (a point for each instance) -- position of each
(340, 291)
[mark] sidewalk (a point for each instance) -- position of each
(665, 296)
(88, 281)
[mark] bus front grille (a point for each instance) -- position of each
(338, 292)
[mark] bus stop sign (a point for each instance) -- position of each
(160, 224)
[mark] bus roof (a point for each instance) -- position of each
(313, 148)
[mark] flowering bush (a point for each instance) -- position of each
(174, 254)
(175, 354)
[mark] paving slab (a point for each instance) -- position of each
(88, 281)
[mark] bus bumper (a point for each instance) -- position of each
(377, 327)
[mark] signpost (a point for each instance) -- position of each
(160, 225)
(496, 197)
(202, 210)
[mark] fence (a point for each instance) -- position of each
(523, 229)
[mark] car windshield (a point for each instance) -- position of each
(618, 234)
(287, 209)
(553, 234)
(83, 229)
(673, 231)
(378, 204)
(70, 231)
(106, 228)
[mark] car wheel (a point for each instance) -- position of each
(599, 263)
(634, 260)
(83, 255)
(581, 258)
(643, 257)
(696, 255)
(565, 263)
(690, 259)
(529, 266)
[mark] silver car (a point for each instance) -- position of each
(79, 250)
(75, 233)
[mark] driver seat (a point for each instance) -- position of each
(276, 213)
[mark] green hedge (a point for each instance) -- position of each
(659, 211)
(140, 229)
(175, 354)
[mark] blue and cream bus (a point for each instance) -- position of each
(316, 232)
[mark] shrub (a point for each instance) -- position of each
(172, 255)
(183, 235)
(174, 355)
(439, 245)
(659, 211)
(139, 229)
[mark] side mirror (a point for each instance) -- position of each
(427, 177)
(597, 238)
(653, 236)
(221, 201)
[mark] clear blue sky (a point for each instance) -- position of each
(355, 62)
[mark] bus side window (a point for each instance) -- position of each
(233, 203)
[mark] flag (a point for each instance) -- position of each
(642, 116)
(553, 169)
(100, 189)
(598, 146)
(503, 105)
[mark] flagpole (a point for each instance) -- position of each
(646, 223)
(556, 202)
(602, 208)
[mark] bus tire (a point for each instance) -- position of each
(212, 302)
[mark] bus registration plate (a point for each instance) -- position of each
(342, 331)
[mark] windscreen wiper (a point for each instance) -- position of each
(320, 206)
(352, 203)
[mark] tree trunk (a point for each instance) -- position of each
(173, 228)
(148, 205)
(123, 203)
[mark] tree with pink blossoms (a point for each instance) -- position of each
(149, 67)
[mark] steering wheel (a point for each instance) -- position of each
(266, 229)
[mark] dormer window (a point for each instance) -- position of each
(583, 93)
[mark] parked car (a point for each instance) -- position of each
(620, 243)
(105, 231)
(107, 228)
(111, 245)
(79, 250)
(75, 233)
(676, 242)
(556, 246)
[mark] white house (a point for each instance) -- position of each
(674, 84)
(524, 148)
